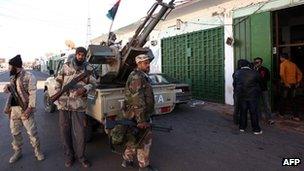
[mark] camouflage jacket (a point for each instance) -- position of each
(69, 100)
(139, 97)
(26, 86)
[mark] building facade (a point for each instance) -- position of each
(200, 41)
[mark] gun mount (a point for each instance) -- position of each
(117, 65)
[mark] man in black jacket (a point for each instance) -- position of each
(246, 83)
(237, 110)
(265, 77)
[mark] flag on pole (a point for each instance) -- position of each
(112, 12)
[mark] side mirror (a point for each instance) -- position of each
(51, 72)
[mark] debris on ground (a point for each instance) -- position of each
(194, 103)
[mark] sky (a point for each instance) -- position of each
(34, 28)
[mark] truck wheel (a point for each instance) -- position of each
(48, 107)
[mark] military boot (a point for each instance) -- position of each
(39, 155)
(127, 164)
(16, 156)
(147, 168)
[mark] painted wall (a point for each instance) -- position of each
(229, 62)
(156, 50)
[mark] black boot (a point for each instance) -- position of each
(127, 164)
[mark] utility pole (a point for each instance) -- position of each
(89, 34)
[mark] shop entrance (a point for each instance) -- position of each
(288, 37)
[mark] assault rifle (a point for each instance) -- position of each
(14, 94)
(110, 124)
(70, 85)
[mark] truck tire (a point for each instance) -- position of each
(48, 107)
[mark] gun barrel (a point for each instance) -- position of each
(153, 21)
(140, 28)
(55, 96)
(110, 124)
(161, 128)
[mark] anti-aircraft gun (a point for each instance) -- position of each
(107, 99)
(118, 64)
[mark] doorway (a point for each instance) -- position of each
(288, 37)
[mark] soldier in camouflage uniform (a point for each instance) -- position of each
(25, 85)
(72, 106)
(139, 105)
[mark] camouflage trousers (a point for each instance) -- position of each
(16, 123)
(142, 151)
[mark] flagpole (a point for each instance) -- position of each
(110, 31)
(111, 26)
(112, 23)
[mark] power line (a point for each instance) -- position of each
(260, 7)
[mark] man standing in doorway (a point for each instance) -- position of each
(23, 84)
(265, 77)
(291, 77)
(72, 105)
(139, 105)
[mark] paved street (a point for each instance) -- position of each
(4, 76)
(203, 139)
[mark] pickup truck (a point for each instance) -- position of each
(107, 101)
(115, 65)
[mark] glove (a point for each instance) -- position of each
(80, 91)
(143, 125)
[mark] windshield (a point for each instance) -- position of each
(162, 79)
